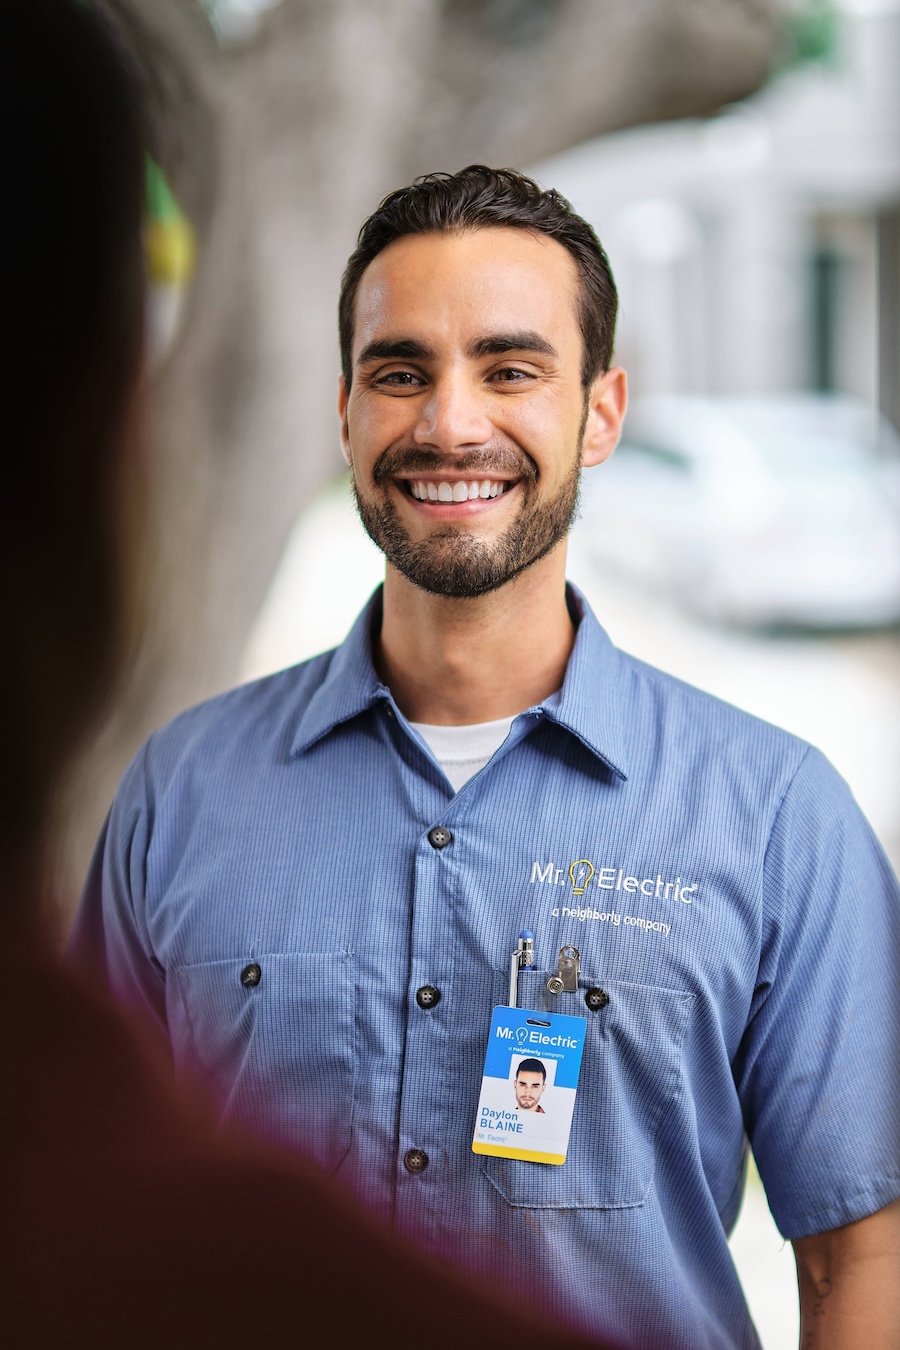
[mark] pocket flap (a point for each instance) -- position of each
(279, 1047)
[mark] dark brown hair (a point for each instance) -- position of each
(532, 1066)
(479, 198)
(70, 239)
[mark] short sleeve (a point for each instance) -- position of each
(110, 941)
(818, 1070)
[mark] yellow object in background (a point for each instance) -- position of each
(170, 248)
(169, 237)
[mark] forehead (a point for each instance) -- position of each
(528, 1073)
(446, 287)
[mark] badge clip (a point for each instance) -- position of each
(568, 968)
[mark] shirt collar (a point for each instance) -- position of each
(351, 685)
(589, 705)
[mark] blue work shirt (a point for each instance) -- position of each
(270, 890)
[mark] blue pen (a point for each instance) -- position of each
(521, 959)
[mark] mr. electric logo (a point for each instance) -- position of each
(582, 873)
(526, 1037)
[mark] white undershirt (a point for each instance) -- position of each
(462, 751)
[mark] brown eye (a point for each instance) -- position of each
(399, 379)
(510, 375)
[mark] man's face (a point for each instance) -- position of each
(529, 1090)
(464, 421)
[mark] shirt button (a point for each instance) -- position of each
(414, 1160)
(251, 975)
(439, 837)
(428, 996)
(596, 999)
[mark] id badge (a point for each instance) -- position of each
(529, 1085)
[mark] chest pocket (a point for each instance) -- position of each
(279, 1049)
(630, 1072)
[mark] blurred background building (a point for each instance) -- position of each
(759, 250)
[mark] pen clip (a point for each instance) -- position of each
(521, 959)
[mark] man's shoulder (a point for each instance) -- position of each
(730, 766)
(692, 735)
(639, 713)
(655, 694)
(265, 711)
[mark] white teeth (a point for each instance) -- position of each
(459, 491)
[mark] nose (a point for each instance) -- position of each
(453, 417)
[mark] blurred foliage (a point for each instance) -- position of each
(809, 35)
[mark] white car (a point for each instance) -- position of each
(778, 511)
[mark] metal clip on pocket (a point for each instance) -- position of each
(568, 967)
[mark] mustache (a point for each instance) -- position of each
(486, 462)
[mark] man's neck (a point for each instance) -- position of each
(456, 662)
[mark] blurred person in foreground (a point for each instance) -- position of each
(311, 886)
(124, 1224)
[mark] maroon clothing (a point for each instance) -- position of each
(127, 1226)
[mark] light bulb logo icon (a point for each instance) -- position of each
(521, 1035)
(580, 873)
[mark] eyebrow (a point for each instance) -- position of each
(494, 344)
(394, 349)
(523, 341)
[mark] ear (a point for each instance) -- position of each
(607, 401)
(343, 399)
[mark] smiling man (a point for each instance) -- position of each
(513, 393)
(312, 886)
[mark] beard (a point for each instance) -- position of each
(450, 561)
